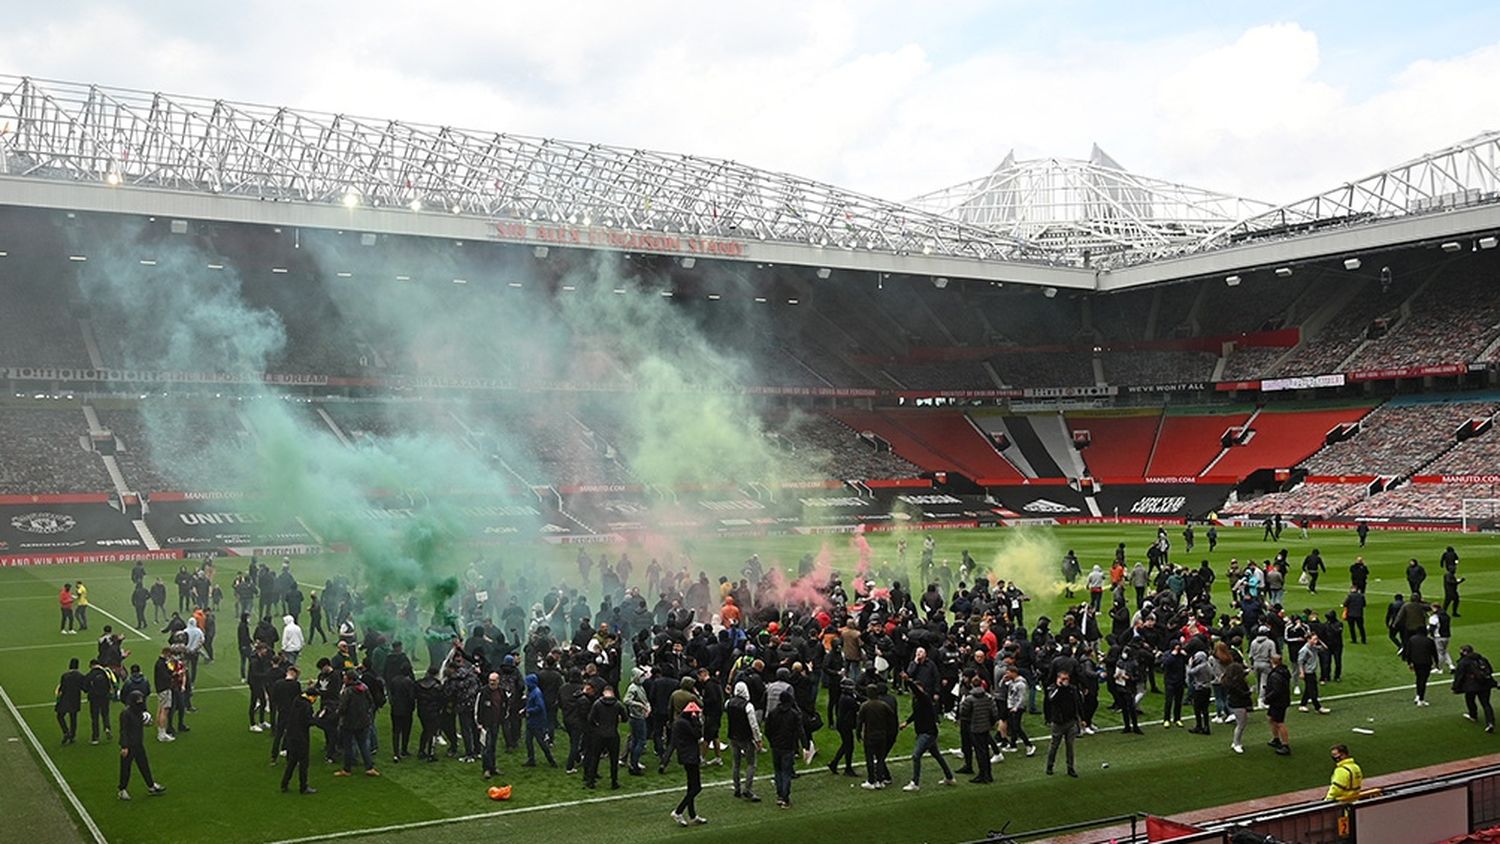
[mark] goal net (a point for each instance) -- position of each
(1481, 514)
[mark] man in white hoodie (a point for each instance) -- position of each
(744, 739)
(291, 639)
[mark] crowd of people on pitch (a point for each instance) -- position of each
(721, 673)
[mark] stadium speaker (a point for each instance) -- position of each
(1351, 263)
(179, 227)
(824, 272)
(940, 283)
(367, 239)
(1001, 441)
(1082, 440)
(689, 262)
(539, 251)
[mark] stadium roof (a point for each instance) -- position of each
(1087, 210)
(1054, 222)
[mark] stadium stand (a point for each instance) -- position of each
(45, 450)
(934, 440)
(1343, 334)
(1250, 362)
(823, 440)
(1189, 440)
(1157, 366)
(1312, 499)
(1421, 501)
(1121, 444)
(1045, 369)
(1397, 438)
(183, 448)
(1283, 439)
(950, 374)
(1452, 320)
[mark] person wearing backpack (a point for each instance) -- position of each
(1474, 678)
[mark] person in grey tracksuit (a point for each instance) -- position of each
(1262, 647)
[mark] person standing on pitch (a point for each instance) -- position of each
(784, 734)
(1278, 698)
(70, 689)
(1420, 654)
(687, 734)
(605, 716)
(65, 603)
(100, 688)
(81, 604)
(133, 721)
(1474, 677)
(296, 721)
(745, 740)
(1451, 580)
(1063, 707)
(924, 715)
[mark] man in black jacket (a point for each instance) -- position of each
(1420, 653)
(133, 721)
(296, 721)
(139, 597)
(356, 711)
(99, 686)
(1064, 708)
(430, 699)
(604, 738)
(1278, 698)
(1312, 566)
(784, 734)
(489, 713)
(1475, 678)
(283, 694)
(401, 694)
(70, 689)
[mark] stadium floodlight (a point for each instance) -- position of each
(760, 299)
(460, 281)
(1232, 280)
(78, 258)
(713, 297)
(1283, 272)
(824, 272)
(1351, 263)
(791, 301)
(515, 284)
(689, 262)
(345, 274)
(540, 251)
(148, 262)
(351, 199)
(1488, 242)
(279, 270)
(112, 178)
(1453, 246)
(216, 266)
(415, 205)
(587, 220)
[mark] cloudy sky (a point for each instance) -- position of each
(1272, 100)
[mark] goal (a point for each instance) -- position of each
(1481, 514)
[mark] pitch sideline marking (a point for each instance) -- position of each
(67, 790)
(195, 691)
(657, 792)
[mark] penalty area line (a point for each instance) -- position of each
(67, 790)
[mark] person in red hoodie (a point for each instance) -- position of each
(65, 601)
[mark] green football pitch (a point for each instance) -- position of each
(222, 788)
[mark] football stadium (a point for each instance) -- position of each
(370, 480)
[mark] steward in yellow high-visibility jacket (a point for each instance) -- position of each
(1347, 779)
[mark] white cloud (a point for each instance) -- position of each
(866, 96)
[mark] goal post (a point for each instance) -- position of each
(1481, 514)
